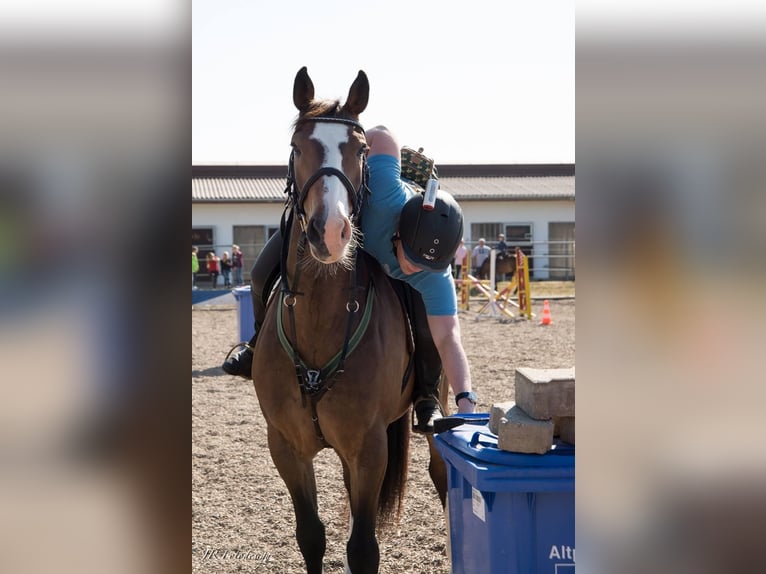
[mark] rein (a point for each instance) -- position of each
(314, 383)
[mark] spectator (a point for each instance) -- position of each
(226, 266)
(479, 254)
(212, 267)
(460, 255)
(195, 267)
(236, 259)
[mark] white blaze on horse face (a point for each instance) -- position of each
(335, 199)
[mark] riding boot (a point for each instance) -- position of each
(428, 367)
(240, 363)
(426, 406)
(425, 397)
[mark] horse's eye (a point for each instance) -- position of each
(362, 150)
(296, 151)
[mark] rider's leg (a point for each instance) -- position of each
(428, 366)
(263, 275)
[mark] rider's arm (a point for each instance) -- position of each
(445, 330)
(382, 142)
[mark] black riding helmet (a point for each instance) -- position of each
(430, 237)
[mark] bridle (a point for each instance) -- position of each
(314, 383)
(297, 198)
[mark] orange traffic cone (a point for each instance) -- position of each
(546, 313)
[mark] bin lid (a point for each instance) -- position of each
(239, 292)
(479, 443)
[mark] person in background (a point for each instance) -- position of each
(501, 246)
(236, 259)
(460, 255)
(479, 254)
(213, 268)
(226, 266)
(502, 251)
(195, 266)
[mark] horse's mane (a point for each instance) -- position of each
(318, 109)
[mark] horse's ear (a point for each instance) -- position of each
(303, 90)
(358, 95)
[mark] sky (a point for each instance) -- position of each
(492, 82)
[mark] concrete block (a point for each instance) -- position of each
(518, 432)
(497, 412)
(546, 393)
(567, 429)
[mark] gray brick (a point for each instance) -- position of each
(497, 412)
(546, 393)
(567, 429)
(518, 432)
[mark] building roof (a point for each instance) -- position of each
(240, 183)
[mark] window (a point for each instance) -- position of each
(562, 250)
(489, 231)
(204, 239)
(251, 239)
(520, 235)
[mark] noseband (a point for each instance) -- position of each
(297, 198)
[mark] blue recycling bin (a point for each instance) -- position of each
(245, 320)
(509, 513)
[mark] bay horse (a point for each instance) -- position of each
(331, 365)
(505, 264)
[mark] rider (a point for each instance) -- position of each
(414, 246)
(501, 246)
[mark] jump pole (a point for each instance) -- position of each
(491, 293)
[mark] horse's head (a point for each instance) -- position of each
(328, 166)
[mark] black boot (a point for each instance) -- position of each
(241, 362)
(427, 410)
(427, 363)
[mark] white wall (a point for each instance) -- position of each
(222, 217)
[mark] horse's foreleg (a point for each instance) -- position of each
(366, 472)
(298, 474)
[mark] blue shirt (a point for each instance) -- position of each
(380, 223)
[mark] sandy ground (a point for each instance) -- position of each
(242, 517)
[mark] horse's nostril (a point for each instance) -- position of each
(314, 231)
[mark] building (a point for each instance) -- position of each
(533, 205)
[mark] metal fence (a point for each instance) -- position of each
(548, 260)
